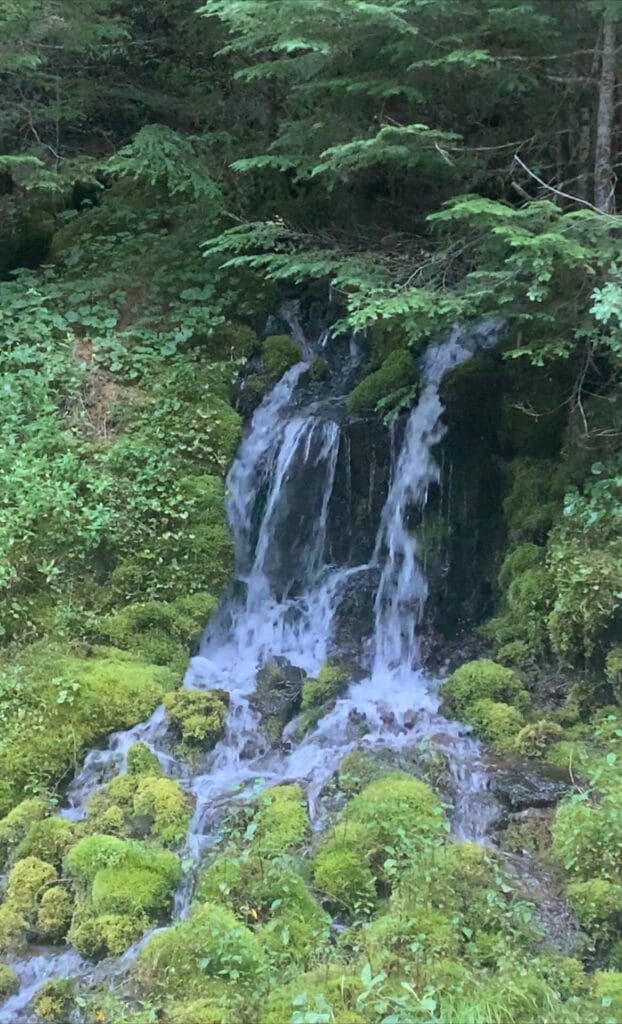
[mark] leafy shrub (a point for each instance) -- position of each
(587, 837)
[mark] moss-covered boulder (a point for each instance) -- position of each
(9, 981)
(56, 909)
(279, 352)
(281, 822)
(478, 681)
(68, 704)
(198, 717)
(332, 680)
(54, 1001)
(49, 839)
(396, 376)
(121, 887)
(16, 824)
(161, 632)
(209, 949)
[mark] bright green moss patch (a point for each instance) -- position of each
(16, 824)
(9, 981)
(496, 722)
(332, 680)
(208, 948)
(56, 909)
(142, 761)
(161, 632)
(122, 886)
(396, 375)
(281, 821)
(165, 806)
(48, 839)
(67, 704)
(53, 1002)
(535, 739)
(27, 882)
(482, 680)
(198, 716)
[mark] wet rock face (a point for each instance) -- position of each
(359, 493)
(521, 786)
(277, 695)
(353, 623)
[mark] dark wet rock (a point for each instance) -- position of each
(277, 695)
(521, 785)
(353, 623)
(411, 719)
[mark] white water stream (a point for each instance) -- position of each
(283, 604)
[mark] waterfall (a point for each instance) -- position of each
(282, 604)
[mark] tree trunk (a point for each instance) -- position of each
(603, 171)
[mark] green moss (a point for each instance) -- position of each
(482, 680)
(15, 825)
(587, 837)
(535, 739)
(98, 852)
(343, 877)
(48, 839)
(55, 913)
(613, 670)
(280, 352)
(281, 821)
(390, 941)
(586, 579)
(333, 678)
(396, 805)
(142, 761)
(496, 722)
(130, 891)
(161, 632)
(189, 959)
(530, 507)
(519, 560)
(28, 880)
(53, 1001)
(9, 981)
(330, 991)
(13, 929)
(198, 716)
(597, 903)
(396, 375)
(44, 737)
(165, 805)
(273, 897)
(106, 935)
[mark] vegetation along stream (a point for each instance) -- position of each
(310, 546)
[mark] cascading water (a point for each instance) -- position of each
(282, 604)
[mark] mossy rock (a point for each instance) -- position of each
(130, 891)
(535, 739)
(98, 852)
(198, 716)
(49, 839)
(166, 807)
(290, 924)
(533, 502)
(357, 769)
(159, 631)
(230, 341)
(281, 822)
(55, 912)
(142, 761)
(13, 929)
(193, 957)
(280, 352)
(277, 695)
(27, 882)
(9, 981)
(497, 723)
(43, 739)
(481, 680)
(54, 1001)
(16, 824)
(396, 376)
(107, 935)
(333, 679)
